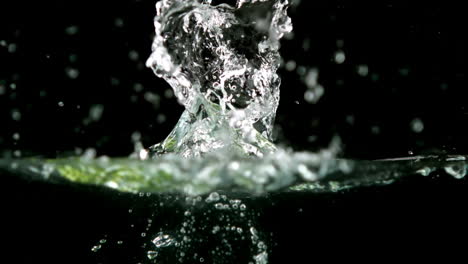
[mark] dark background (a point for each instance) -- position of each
(59, 59)
(416, 56)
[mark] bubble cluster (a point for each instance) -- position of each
(209, 234)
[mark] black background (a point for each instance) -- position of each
(415, 54)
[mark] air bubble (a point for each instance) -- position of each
(163, 240)
(152, 254)
(213, 197)
(457, 171)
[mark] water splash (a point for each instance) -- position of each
(221, 62)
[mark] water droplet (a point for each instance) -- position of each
(96, 248)
(89, 154)
(290, 65)
(72, 30)
(311, 78)
(375, 130)
(340, 57)
(215, 229)
(313, 95)
(363, 70)
(138, 87)
(143, 154)
(95, 112)
(72, 58)
(119, 22)
(72, 73)
(114, 81)
(17, 153)
(133, 55)
(16, 115)
(306, 44)
(12, 48)
(16, 136)
(339, 43)
(153, 98)
(417, 125)
(404, 71)
(161, 118)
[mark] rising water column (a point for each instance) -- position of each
(221, 62)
